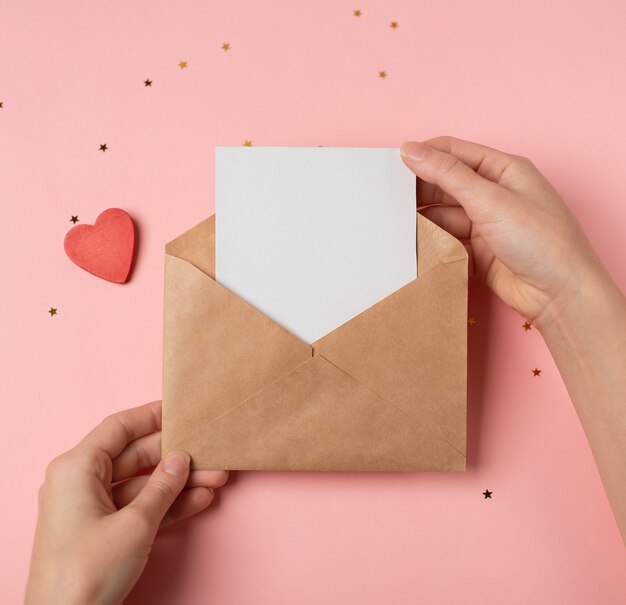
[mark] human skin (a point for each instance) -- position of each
(527, 246)
(523, 242)
(98, 519)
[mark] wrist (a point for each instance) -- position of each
(590, 297)
(67, 585)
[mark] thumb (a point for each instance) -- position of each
(445, 170)
(166, 482)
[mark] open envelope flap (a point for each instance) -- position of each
(435, 246)
(316, 417)
(196, 246)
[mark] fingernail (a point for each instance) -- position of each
(412, 150)
(210, 496)
(176, 463)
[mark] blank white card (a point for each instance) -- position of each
(312, 236)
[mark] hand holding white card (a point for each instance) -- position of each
(312, 236)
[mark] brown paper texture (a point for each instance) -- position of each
(386, 391)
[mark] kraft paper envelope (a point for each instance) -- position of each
(386, 391)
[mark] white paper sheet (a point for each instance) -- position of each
(312, 236)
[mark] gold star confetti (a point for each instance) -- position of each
(487, 494)
(225, 46)
(182, 64)
(103, 147)
(382, 74)
(536, 372)
(74, 219)
(357, 13)
(471, 320)
(394, 25)
(53, 311)
(527, 326)
(247, 143)
(147, 82)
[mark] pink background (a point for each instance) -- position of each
(543, 79)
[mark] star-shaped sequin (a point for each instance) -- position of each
(247, 143)
(357, 13)
(536, 372)
(527, 326)
(182, 64)
(74, 219)
(53, 311)
(471, 320)
(147, 82)
(226, 46)
(104, 147)
(487, 493)
(382, 74)
(394, 25)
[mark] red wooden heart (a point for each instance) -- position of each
(105, 248)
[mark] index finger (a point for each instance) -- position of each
(116, 431)
(459, 183)
(485, 161)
